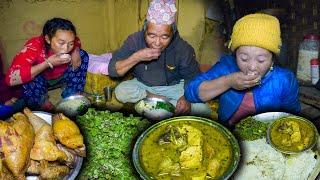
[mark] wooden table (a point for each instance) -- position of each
(310, 103)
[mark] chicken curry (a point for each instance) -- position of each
(292, 134)
(186, 150)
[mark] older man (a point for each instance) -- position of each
(160, 60)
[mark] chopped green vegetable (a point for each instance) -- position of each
(251, 129)
(109, 138)
(165, 106)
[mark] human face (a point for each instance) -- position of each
(254, 60)
(158, 36)
(62, 42)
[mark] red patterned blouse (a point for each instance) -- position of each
(33, 53)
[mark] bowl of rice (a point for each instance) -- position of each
(155, 108)
(73, 105)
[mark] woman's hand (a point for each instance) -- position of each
(241, 81)
(59, 59)
(75, 58)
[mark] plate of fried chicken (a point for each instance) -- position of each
(39, 145)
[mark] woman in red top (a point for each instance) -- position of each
(53, 58)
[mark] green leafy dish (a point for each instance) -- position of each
(251, 129)
(109, 138)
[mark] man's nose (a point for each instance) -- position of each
(157, 42)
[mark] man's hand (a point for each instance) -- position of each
(75, 58)
(148, 54)
(240, 81)
(183, 107)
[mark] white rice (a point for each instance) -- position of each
(261, 161)
(298, 167)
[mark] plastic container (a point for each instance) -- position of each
(308, 49)
(314, 65)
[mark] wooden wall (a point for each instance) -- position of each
(300, 17)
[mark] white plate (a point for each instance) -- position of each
(272, 116)
(75, 171)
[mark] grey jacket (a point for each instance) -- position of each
(176, 62)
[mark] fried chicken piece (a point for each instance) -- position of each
(53, 170)
(48, 170)
(45, 147)
(5, 174)
(68, 134)
(16, 140)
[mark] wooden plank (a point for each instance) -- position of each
(310, 96)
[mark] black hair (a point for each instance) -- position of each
(51, 26)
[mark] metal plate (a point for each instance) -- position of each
(146, 107)
(272, 116)
(73, 105)
(232, 140)
(75, 171)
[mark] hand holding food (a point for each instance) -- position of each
(241, 81)
(148, 54)
(58, 59)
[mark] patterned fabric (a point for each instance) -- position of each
(33, 53)
(35, 92)
(162, 12)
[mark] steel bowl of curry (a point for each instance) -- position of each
(186, 147)
(292, 134)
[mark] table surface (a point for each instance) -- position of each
(310, 96)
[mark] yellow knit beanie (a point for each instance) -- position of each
(259, 30)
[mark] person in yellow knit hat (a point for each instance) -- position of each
(248, 82)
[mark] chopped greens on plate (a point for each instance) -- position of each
(109, 138)
(165, 106)
(251, 129)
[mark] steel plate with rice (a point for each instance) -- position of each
(73, 105)
(261, 160)
(155, 108)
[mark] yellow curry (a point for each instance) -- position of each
(292, 135)
(186, 150)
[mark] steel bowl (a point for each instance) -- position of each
(155, 108)
(312, 143)
(74, 105)
(235, 155)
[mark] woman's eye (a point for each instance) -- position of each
(244, 59)
(261, 60)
